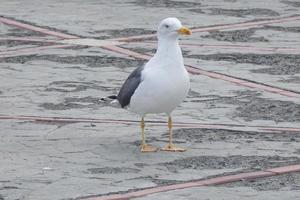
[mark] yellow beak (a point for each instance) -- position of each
(184, 31)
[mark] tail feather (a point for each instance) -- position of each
(112, 100)
(112, 97)
(108, 98)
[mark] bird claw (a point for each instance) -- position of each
(173, 148)
(148, 148)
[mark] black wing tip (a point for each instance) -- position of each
(129, 87)
(108, 98)
(112, 97)
(122, 102)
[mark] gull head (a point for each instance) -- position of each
(172, 28)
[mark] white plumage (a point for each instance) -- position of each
(163, 83)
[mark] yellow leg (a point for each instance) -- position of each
(171, 146)
(146, 147)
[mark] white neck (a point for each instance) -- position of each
(169, 49)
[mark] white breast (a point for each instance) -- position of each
(162, 89)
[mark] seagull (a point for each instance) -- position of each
(161, 84)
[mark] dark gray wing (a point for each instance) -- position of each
(129, 87)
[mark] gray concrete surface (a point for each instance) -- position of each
(41, 160)
(284, 187)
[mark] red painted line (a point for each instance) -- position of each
(285, 169)
(31, 50)
(126, 52)
(218, 27)
(156, 123)
(36, 28)
(224, 77)
(237, 177)
(244, 82)
(208, 182)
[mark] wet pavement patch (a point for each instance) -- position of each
(62, 106)
(166, 3)
(282, 64)
(197, 135)
(288, 181)
(292, 79)
(292, 3)
(243, 12)
(77, 47)
(294, 29)
(197, 10)
(112, 170)
(163, 182)
(88, 99)
(116, 33)
(18, 59)
(248, 163)
(159, 182)
(76, 102)
(16, 32)
(91, 61)
(75, 86)
(246, 35)
(264, 109)
(8, 188)
(49, 122)
(236, 36)
(252, 107)
(13, 43)
(142, 50)
(73, 103)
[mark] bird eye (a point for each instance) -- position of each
(167, 26)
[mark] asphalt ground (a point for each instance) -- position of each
(58, 141)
